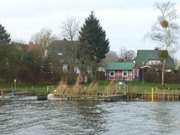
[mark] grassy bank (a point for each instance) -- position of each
(35, 89)
(144, 86)
(42, 89)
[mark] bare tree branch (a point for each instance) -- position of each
(126, 55)
(43, 38)
(70, 28)
(168, 37)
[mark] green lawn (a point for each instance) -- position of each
(144, 86)
(140, 86)
(36, 89)
(39, 89)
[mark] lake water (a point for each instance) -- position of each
(26, 116)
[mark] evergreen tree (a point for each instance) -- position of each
(4, 36)
(93, 40)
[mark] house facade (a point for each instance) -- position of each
(64, 55)
(150, 60)
(119, 71)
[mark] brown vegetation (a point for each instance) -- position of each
(79, 90)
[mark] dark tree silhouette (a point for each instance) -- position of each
(93, 39)
(4, 36)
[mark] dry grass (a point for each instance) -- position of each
(61, 89)
(91, 90)
(110, 89)
(76, 89)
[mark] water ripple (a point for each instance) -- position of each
(30, 117)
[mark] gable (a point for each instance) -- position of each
(143, 56)
(63, 47)
(147, 57)
(66, 51)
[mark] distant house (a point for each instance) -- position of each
(119, 71)
(150, 59)
(64, 54)
(64, 49)
(144, 61)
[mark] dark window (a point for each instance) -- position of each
(111, 73)
(125, 73)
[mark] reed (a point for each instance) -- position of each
(61, 89)
(110, 89)
(92, 89)
(76, 89)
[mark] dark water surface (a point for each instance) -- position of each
(25, 116)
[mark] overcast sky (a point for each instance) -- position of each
(126, 21)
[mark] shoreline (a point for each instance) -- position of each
(130, 95)
(113, 98)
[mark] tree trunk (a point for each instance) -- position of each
(163, 72)
(94, 70)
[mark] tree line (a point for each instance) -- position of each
(31, 63)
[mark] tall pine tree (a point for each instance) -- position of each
(94, 43)
(4, 36)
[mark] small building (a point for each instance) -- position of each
(119, 71)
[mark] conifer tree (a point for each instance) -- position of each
(4, 36)
(94, 43)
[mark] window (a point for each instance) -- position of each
(153, 62)
(111, 74)
(65, 67)
(125, 73)
(77, 70)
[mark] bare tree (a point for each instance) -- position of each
(166, 31)
(126, 55)
(111, 57)
(43, 38)
(70, 28)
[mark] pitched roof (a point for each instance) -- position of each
(62, 46)
(144, 56)
(119, 66)
(64, 51)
